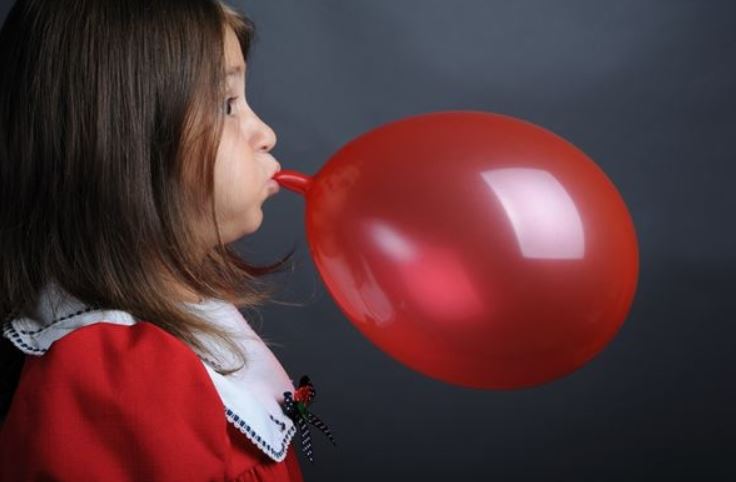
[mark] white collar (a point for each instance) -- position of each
(250, 396)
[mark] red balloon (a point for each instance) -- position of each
(475, 248)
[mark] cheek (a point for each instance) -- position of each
(228, 169)
(229, 178)
(236, 188)
(229, 140)
(239, 181)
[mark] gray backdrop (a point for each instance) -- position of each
(646, 89)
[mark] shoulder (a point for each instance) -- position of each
(116, 392)
(127, 345)
(135, 354)
(140, 364)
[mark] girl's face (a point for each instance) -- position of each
(244, 165)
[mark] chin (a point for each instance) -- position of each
(254, 224)
(233, 233)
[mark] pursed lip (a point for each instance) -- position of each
(271, 183)
(276, 164)
(272, 186)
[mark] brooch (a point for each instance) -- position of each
(295, 407)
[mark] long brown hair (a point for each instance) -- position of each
(110, 120)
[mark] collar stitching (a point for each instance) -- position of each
(9, 330)
(246, 429)
(57, 321)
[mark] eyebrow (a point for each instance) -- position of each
(234, 71)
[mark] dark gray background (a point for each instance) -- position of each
(646, 89)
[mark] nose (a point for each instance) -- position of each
(266, 138)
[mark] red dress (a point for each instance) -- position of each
(110, 402)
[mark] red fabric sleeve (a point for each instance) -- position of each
(115, 403)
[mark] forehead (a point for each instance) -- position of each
(233, 54)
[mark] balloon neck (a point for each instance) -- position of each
(293, 180)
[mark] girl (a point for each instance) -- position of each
(129, 159)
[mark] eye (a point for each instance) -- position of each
(228, 108)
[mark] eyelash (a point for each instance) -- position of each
(227, 103)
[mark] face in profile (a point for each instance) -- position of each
(244, 165)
